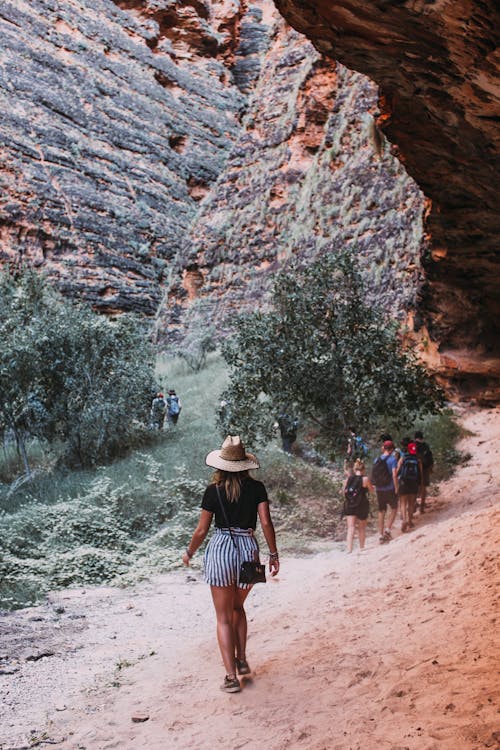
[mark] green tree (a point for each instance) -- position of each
(69, 376)
(324, 354)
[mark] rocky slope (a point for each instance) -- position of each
(308, 173)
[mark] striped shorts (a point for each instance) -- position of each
(221, 560)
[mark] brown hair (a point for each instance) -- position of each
(232, 482)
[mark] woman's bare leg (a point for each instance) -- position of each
(224, 601)
(240, 623)
(351, 524)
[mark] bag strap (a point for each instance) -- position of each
(226, 518)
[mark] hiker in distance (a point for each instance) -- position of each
(174, 407)
(384, 477)
(424, 453)
(409, 482)
(288, 426)
(235, 499)
(158, 411)
(356, 504)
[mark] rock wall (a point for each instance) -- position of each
(115, 122)
(437, 64)
(194, 146)
(308, 173)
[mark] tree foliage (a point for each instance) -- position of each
(68, 375)
(324, 354)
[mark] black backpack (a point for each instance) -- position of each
(353, 494)
(381, 476)
(409, 476)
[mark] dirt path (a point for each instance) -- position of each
(396, 647)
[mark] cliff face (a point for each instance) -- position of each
(308, 173)
(438, 68)
(193, 146)
(115, 121)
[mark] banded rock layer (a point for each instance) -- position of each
(308, 173)
(113, 129)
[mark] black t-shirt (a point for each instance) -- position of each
(241, 514)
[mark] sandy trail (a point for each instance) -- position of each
(396, 647)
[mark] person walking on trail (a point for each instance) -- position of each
(356, 446)
(356, 504)
(158, 411)
(424, 453)
(384, 478)
(174, 407)
(288, 430)
(236, 499)
(409, 482)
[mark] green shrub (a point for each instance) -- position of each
(323, 355)
(68, 376)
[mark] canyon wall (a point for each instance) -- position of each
(437, 64)
(164, 156)
(115, 121)
(308, 173)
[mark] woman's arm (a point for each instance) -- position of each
(270, 536)
(367, 483)
(199, 535)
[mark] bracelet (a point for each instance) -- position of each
(274, 555)
(188, 553)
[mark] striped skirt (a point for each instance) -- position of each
(222, 561)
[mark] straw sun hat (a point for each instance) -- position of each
(232, 456)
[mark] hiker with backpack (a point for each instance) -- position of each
(356, 504)
(158, 411)
(174, 407)
(384, 478)
(409, 482)
(424, 453)
(288, 430)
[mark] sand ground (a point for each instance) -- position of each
(395, 647)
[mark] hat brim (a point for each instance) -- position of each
(214, 460)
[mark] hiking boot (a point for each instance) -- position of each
(387, 535)
(382, 539)
(231, 685)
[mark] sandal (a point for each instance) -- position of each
(231, 685)
(242, 666)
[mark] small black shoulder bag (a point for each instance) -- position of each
(250, 571)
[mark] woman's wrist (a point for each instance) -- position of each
(274, 555)
(189, 553)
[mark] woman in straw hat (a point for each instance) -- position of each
(243, 499)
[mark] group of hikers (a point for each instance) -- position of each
(161, 407)
(399, 477)
(234, 501)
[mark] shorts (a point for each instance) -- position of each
(222, 561)
(385, 498)
(362, 512)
